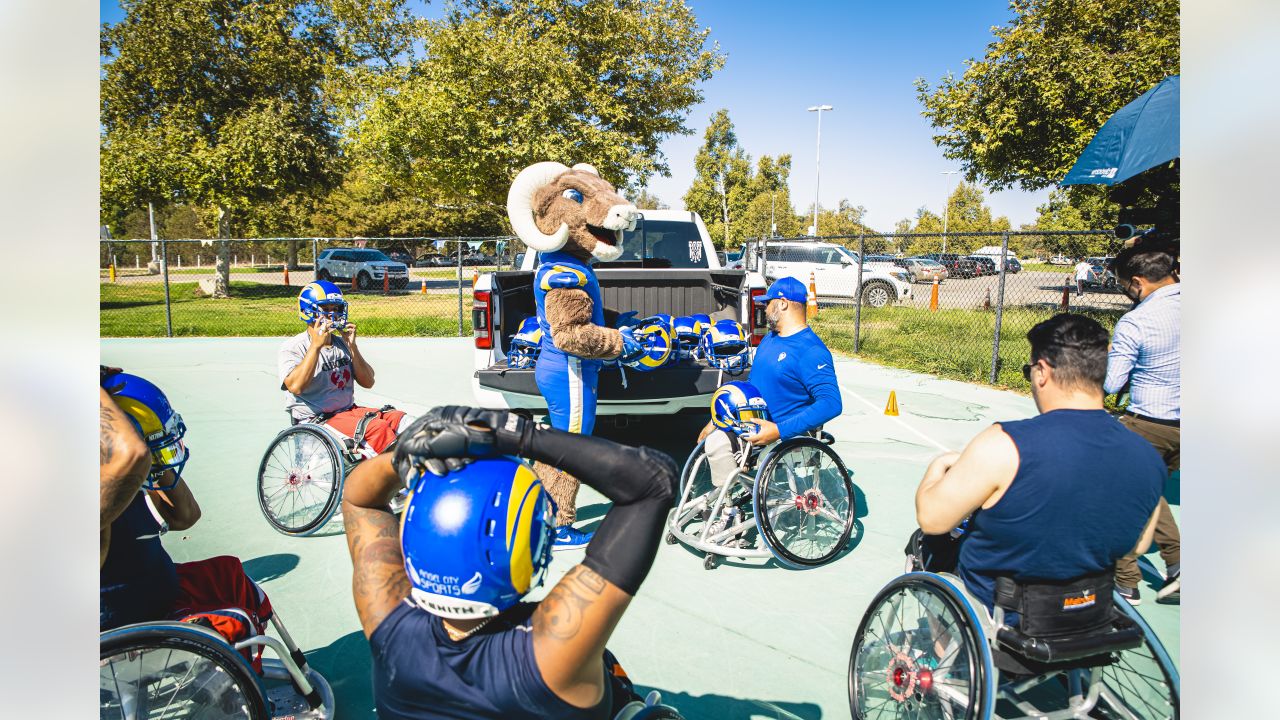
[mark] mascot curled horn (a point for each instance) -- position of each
(570, 216)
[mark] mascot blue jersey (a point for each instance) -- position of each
(567, 381)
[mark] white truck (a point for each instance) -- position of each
(833, 269)
(668, 265)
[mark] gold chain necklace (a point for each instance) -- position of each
(458, 636)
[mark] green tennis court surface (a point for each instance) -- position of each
(740, 641)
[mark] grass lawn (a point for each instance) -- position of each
(1046, 267)
(258, 309)
(954, 344)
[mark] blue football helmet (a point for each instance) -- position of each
(157, 422)
(688, 331)
(478, 539)
(735, 405)
(526, 345)
(656, 335)
(322, 299)
(724, 346)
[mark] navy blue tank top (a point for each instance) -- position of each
(1085, 487)
(138, 581)
(419, 672)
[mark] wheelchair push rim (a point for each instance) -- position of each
(1142, 682)
(172, 674)
(300, 480)
(803, 503)
(919, 653)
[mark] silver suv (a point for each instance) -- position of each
(834, 269)
(362, 267)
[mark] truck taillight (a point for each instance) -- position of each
(755, 316)
(482, 319)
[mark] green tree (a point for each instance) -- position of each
(1023, 113)
(722, 182)
(226, 104)
(1077, 207)
(770, 201)
(504, 85)
(648, 201)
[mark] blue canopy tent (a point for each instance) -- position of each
(1140, 136)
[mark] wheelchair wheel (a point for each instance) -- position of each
(919, 653)
(1142, 682)
(803, 503)
(167, 671)
(300, 480)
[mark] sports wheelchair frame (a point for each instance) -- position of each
(800, 505)
(301, 475)
(176, 670)
(927, 649)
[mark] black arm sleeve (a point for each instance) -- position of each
(640, 482)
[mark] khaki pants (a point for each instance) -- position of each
(723, 450)
(1167, 441)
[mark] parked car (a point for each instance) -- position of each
(476, 259)
(401, 257)
(922, 269)
(834, 269)
(433, 260)
(1061, 259)
(957, 266)
(986, 265)
(994, 253)
(1013, 265)
(1100, 275)
(362, 267)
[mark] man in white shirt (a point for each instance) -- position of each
(1083, 271)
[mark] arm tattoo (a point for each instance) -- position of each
(560, 613)
(378, 579)
(106, 444)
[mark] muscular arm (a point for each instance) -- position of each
(123, 463)
(177, 505)
(360, 367)
(569, 314)
(956, 485)
(300, 376)
(378, 579)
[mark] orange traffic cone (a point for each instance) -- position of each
(475, 277)
(286, 275)
(1066, 296)
(811, 306)
(933, 297)
(422, 289)
(386, 283)
(892, 407)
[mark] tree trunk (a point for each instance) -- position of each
(222, 281)
(292, 262)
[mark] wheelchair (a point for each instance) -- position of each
(176, 670)
(301, 475)
(651, 708)
(927, 649)
(793, 502)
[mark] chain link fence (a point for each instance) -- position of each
(951, 304)
(164, 288)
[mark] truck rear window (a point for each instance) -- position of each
(663, 243)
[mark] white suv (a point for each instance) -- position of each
(834, 269)
(361, 267)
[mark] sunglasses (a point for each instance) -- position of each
(1026, 371)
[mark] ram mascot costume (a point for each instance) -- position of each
(570, 215)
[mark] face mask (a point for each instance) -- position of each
(1135, 297)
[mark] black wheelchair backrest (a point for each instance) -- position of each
(1054, 608)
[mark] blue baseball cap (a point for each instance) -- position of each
(788, 288)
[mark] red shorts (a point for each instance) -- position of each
(210, 592)
(379, 432)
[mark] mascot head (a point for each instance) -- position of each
(554, 207)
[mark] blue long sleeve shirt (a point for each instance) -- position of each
(797, 377)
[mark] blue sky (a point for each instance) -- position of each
(859, 57)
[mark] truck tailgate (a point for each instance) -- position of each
(681, 380)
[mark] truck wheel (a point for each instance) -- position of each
(363, 281)
(877, 294)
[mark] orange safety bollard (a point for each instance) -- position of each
(811, 305)
(386, 283)
(1066, 297)
(286, 275)
(933, 296)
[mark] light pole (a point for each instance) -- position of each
(818, 109)
(946, 210)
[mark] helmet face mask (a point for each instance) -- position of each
(526, 345)
(322, 299)
(736, 405)
(478, 540)
(159, 425)
(724, 346)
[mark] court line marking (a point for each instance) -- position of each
(897, 420)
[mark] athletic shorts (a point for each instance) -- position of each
(379, 432)
(217, 594)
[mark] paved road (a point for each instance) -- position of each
(1027, 288)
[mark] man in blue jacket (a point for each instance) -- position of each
(795, 373)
